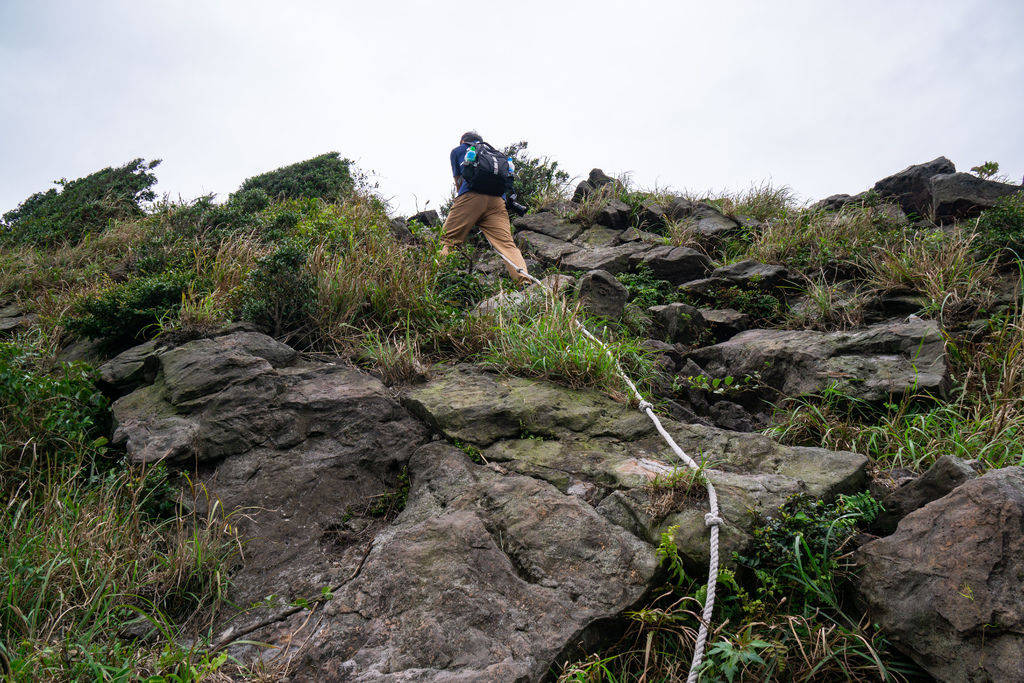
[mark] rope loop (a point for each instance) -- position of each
(711, 519)
(644, 406)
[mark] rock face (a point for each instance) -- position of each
(962, 195)
(586, 445)
(942, 477)
(946, 586)
(601, 294)
(872, 364)
(911, 187)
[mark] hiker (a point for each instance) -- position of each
(480, 201)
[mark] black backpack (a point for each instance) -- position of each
(490, 173)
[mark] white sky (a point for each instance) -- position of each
(822, 96)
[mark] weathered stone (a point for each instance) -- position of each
(725, 323)
(956, 196)
(484, 577)
(569, 438)
(598, 178)
(678, 323)
(635, 235)
(943, 476)
(133, 368)
(597, 237)
(615, 260)
(399, 228)
(675, 264)
(652, 215)
(705, 286)
(549, 224)
(729, 415)
(548, 249)
(871, 364)
(911, 187)
(600, 293)
(753, 275)
(946, 586)
(680, 208)
(429, 218)
(615, 215)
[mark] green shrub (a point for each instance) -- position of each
(81, 206)
(536, 178)
(58, 412)
(129, 311)
(645, 290)
(1001, 228)
(326, 177)
(279, 294)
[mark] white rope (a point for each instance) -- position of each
(712, 519)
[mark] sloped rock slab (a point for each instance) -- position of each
(956, 196)
(946, 587)
(549, 224)
(549, 250)
(483, 577)
(872, 364)
(615, 260)
(585, 444)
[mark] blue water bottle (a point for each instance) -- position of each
(471, 155)
(511, 167)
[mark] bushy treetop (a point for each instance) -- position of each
(81, 206)
(327, 177)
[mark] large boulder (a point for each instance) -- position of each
(911, 188)
(675, 264)
(946, 586)
(872, 364)
(752, 274)
(615, 260)
(600, 293)
(942, 477)
(678, 323)
(962, 195)
(550, 224)
(550, 250)
(585, 444)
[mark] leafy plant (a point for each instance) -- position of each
(81, 206)
(279, 292)
(326, 177)
(537, 179)
(129, 311)
(1001, 228)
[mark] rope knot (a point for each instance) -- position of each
(644, 406)
(711, 519)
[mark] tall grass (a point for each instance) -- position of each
(541, 338)
(92, 552)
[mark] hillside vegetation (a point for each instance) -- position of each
(109, 575)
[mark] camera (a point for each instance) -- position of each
(515, 207)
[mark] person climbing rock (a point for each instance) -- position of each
(481, 183)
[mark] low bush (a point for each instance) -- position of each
(326, 177)
(279, 293)
(85, 205)
(1001, 228)
(130, 311)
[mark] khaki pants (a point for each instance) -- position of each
(473, 208)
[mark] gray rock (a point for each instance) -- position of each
(428, 218)
(725, 323)
(956, 196)
(911, 187)
(598, 237)
(729, 415)
(549, 224)
(711, 224)
(637, 235)
(133, 368)
(612, 259)
(548, 249)
(598, 178)
(753, 275)
(601, 294)
(946, 587)
(872, 364)
(615, 215)
(943, 476)
(680, 208)
(565, 437)
(678, 323)
(399, 228)
(705, 286)
(675, 264)
(484, 577)
(652, 215)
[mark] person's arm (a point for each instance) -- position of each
(458, 183)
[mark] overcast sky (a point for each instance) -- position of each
(824, 97)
